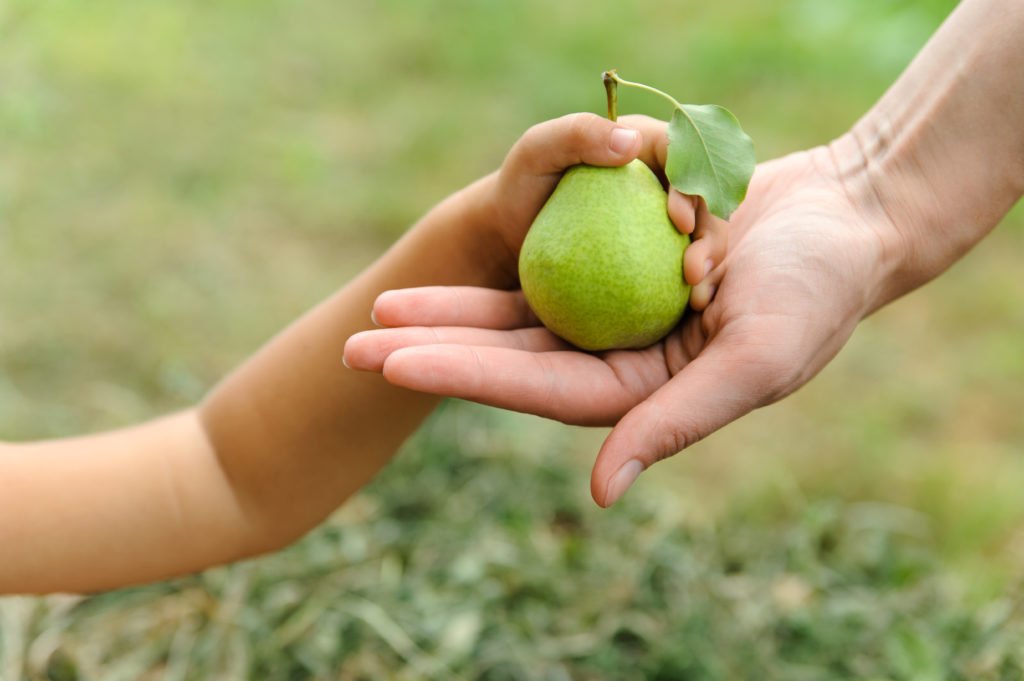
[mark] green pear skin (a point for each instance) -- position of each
(602, 264)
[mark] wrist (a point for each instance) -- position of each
(939, 160)
(872, 224)
(493, 254)
(468, 221)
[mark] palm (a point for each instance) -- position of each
(794, 284)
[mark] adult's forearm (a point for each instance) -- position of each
(942, 152)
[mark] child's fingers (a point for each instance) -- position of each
(697, 262)
(454, 306)
(710, 243)
(655, 141)
(550, 147)
(703, 259)
(702, 294)
(535, 164)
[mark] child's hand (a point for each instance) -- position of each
(532, 169)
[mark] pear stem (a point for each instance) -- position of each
(611, 88)
(614, 77)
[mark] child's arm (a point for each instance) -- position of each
(290, 434)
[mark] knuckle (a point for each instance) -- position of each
(667, 436)
(531, 137)
(578, 128)
(672, 442)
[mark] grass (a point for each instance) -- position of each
(481, 581)
(180, 180)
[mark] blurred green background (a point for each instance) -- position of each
(178, 180)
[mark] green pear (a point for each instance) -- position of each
(602, 264)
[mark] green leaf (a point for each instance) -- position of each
(709, 155)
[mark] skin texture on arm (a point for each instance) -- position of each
(824, 238)
(292, 433)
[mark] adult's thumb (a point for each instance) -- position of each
(711, 391)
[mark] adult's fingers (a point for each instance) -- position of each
(730, 378)
(570, 386)
(454, 306)
(367, 351)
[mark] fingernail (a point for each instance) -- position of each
(373, 318)
(709, 265)
(622, 140)
(344, 362)
(621, 481)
